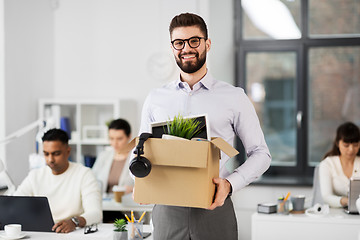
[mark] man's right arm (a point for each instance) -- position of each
(146, 119)
(146, 116)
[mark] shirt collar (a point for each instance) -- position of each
(207, 81)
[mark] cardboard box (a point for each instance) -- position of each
(182, 172)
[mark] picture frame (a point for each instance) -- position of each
(159, 128)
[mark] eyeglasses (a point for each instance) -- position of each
(193, 42)
(90, 229)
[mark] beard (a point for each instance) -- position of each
(191, 67)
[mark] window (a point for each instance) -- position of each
(272, 91)
(303, 77)
(334, 18)
(334, 95)
(271, 19)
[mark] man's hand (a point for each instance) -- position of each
(129, 189)
(64, 226)
(344, 201)
(223, 190)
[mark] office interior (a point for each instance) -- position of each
(303, 82)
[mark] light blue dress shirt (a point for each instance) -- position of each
(229, 112)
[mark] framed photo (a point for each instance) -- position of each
(160, 128)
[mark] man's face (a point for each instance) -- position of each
(189, 59)
(56, 155)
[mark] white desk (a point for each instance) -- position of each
(105, 232)
(337, 225)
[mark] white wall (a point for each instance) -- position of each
(29, 53)
(221, 31)
(2, 79)
(121, 48)
(95, 49)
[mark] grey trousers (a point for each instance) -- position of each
(184, 223)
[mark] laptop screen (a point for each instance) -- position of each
(33, 213)
(354, 192)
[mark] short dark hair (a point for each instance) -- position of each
(188, 20)
(56, 134)
(121, 124)
(349, 133)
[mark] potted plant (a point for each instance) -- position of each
(182, 128)
(120, 232)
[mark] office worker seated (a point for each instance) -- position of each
(341, 163)
(112, 166)
(72, 189)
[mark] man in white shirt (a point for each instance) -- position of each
(72, 189)
(229, 112)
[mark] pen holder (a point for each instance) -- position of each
(283, 207)
(135, 230)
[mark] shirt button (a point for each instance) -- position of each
(190, 94)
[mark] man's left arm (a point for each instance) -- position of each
(247, 128)
(91, 199)
(68, 225)
(91, 203)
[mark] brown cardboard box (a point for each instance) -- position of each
(182, 172)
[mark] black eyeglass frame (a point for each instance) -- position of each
(188, 42)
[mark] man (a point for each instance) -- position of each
(72, 190)
(229, 112)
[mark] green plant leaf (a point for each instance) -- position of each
(120, 225)
(183, 127)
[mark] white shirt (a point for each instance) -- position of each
(102, 168)
(334, 184)
(229, 112)
(72, 193)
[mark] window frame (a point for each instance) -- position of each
(302, 172)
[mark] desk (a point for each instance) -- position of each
(105, 232)
(337, 225)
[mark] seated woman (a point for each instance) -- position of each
(340, 164)
(112, 165)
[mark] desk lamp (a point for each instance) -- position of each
(38, 123)
(9, 183)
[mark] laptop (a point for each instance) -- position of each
(354, 193)
(33, 213)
